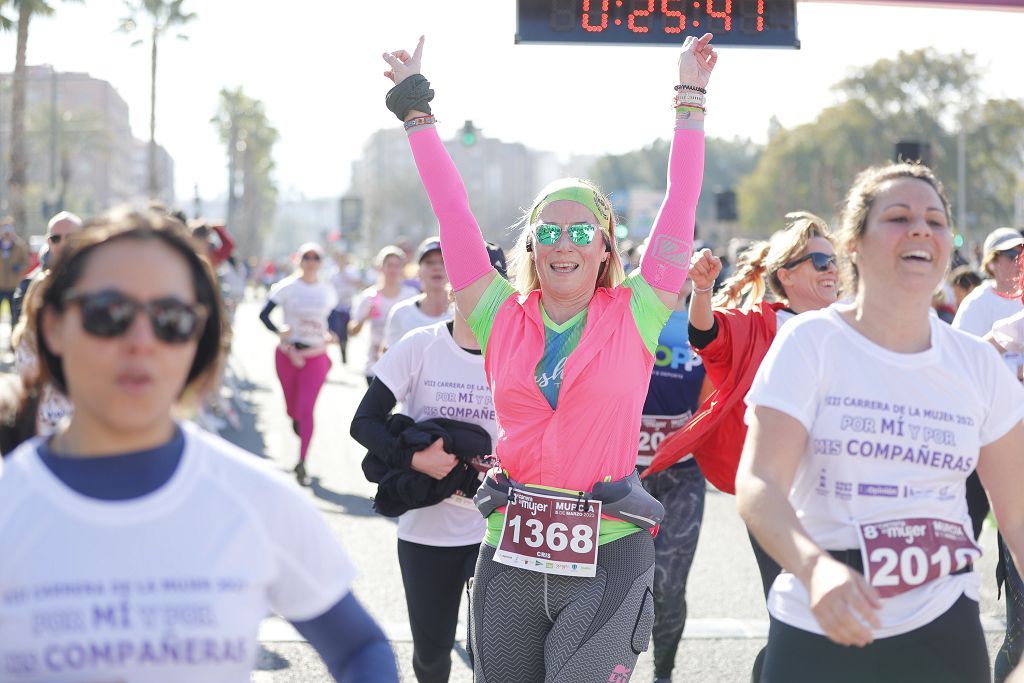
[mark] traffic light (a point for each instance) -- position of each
(468, 134)
(913, 151)
(725, 205)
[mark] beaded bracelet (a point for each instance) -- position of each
(677, 103)
(697, 88)
(689, 98)
(704, 291)
(420, 121)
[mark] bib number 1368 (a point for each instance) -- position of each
(550, 534)
(557, 536)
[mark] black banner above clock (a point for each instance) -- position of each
(748, 23)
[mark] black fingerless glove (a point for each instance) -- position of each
(412, 94)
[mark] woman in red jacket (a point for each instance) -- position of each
(798, 266)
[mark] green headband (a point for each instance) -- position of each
(576, 190)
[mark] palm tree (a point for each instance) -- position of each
(18, 159)
(161, 16)
(249, 137)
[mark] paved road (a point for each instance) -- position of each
(727, 619)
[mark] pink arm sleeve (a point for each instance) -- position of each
(667, 258)
(465, 254)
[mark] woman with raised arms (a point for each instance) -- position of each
(562, 589)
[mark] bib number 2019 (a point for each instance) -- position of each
(902, 554)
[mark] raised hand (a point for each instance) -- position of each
(403, 64)
(696, 60)
(704, 269)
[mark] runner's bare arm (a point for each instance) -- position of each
(704, 270)
(1001, 469)
(771, 454)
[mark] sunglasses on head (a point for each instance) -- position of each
(819, 260)
(311, 256)
(580, 234)
(110, 313)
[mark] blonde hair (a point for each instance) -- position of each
(522, 268)
(757, 270)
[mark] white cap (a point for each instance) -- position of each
(1002, 239)
(307, 247)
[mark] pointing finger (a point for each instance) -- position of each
(418, 52)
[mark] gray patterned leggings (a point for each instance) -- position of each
(529, 627)
(680, 489)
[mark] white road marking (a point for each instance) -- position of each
(277, 630)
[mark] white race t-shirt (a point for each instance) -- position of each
(306, 307)
(432, 377)
(377, 306)
(982, 308)
(168, 587)
(890, 436)
(346, 283)
(1009, 332)
(406, 316)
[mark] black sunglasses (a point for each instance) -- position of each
(819, 260)
(55, 239)
(311, 256)
(110, 313)
(1012, 254)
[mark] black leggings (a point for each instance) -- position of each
(1009, 654)
(950, 649)
(680, 489)
(434, 578)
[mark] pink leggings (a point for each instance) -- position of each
(301, 387)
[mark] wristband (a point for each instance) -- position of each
(689, 98)
(703, 291)
(420, 121)
(412, 94)
(695, 88)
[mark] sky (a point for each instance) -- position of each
(317, 66)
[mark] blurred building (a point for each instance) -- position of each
(500, 178)
(81, 153)
(164, 172)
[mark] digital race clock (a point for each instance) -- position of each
(751, 23)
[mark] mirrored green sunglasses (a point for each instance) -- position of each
(580, 234)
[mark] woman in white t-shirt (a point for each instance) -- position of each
(374, 303)
(433, 371)
(301, 357)
(865, 420)
(135, 548)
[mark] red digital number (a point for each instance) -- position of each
(727, 14)
(675, 14)
(760, 15)
(586, 17)
(640, 13)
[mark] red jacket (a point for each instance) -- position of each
(715, 434)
